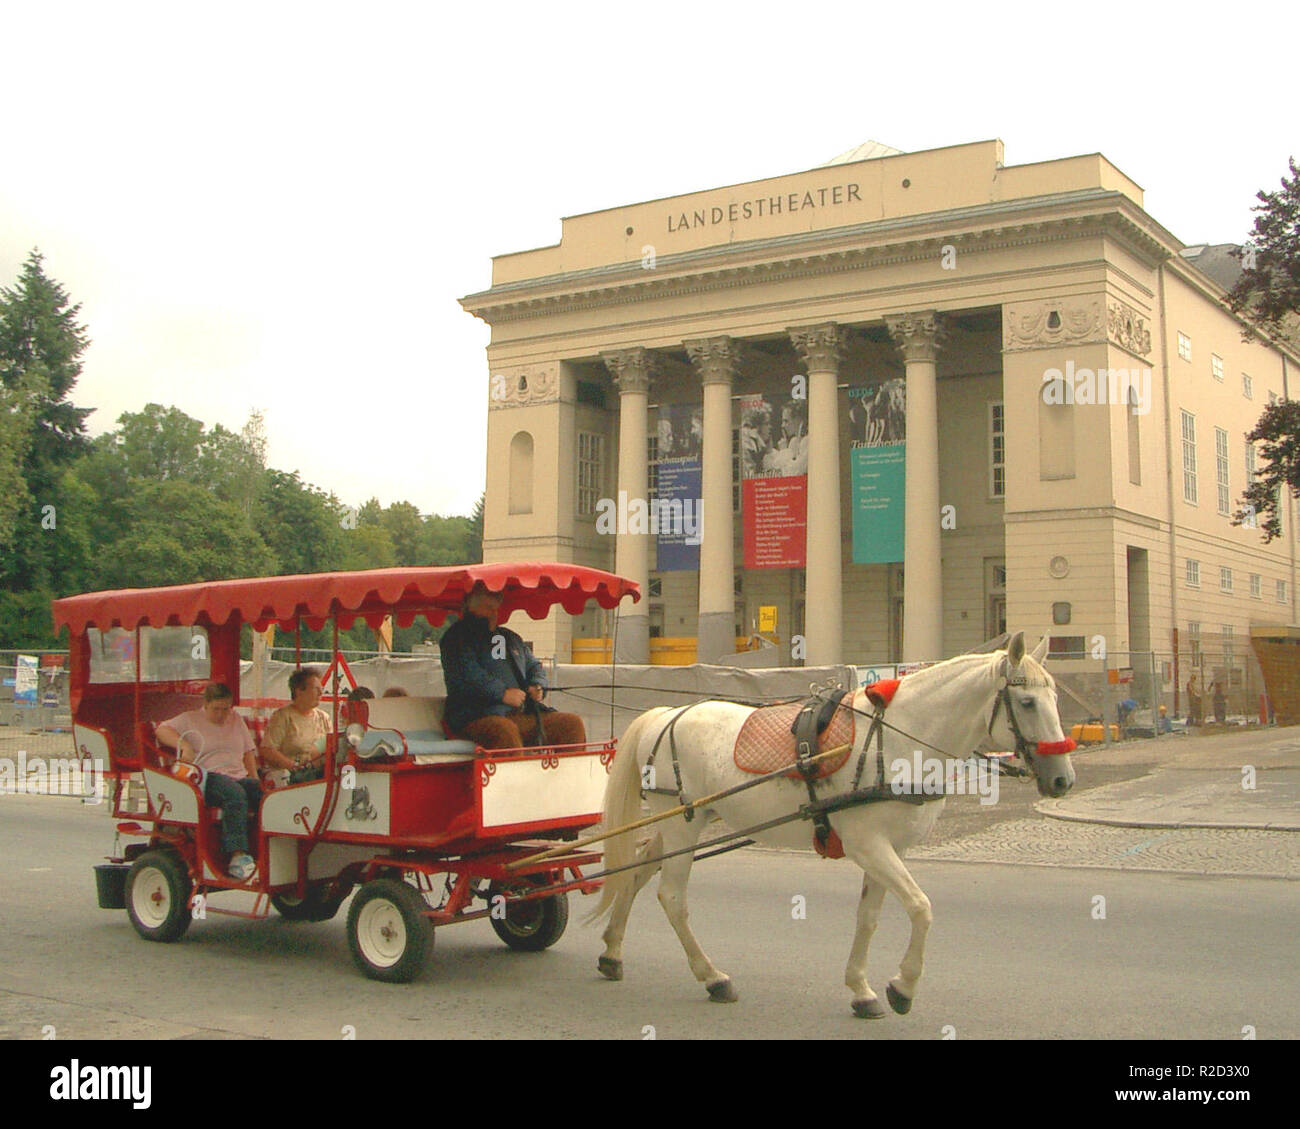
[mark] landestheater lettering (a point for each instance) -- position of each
(764, 206)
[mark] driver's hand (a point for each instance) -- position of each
(514, 698)
(536, 693)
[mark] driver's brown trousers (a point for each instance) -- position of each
(519, 728)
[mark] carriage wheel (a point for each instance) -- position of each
(318, 904)
(158, 896)
(532, 926)
(388, 933)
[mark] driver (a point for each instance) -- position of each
(490, 675)
(216, 739)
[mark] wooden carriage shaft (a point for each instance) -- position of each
(701, 802)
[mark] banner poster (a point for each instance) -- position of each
(677, 509)
(774, 480)
(25, 680)
(877, 447)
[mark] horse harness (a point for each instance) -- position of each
(810, 722)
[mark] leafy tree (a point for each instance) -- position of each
(302, 526)
(1278, 432)
(1267, 295)
(41, 431)
(161, 444)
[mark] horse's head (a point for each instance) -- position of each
(1025, 716)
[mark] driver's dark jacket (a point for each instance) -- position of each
(475, 679)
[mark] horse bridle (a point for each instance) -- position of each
(1023, 747)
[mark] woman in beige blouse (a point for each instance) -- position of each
(296, 733)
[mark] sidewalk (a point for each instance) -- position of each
(1198, 781)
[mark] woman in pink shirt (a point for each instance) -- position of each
(216, 739)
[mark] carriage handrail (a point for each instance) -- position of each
(784, 770)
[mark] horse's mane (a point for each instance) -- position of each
(1035, 674)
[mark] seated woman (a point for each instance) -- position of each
(491, 675)
(296, 733)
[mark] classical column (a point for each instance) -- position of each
(819, 348)
(918, 336)
(631, 370)
(716, 360)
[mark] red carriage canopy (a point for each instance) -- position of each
(369, 595)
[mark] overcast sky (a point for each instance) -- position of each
(277, 205)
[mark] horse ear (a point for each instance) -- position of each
(1039, 653)
(1016, 650)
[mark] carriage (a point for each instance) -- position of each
(429, 830)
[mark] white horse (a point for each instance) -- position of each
(1005, 698)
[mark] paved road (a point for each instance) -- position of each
(1015, 952)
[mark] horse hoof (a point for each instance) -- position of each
(723, 991)
(610, 968)
(899, 1002)
(869, 1009)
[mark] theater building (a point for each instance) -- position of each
(904, 400)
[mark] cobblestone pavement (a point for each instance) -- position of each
(1049, 842)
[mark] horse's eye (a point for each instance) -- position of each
(1028, 703)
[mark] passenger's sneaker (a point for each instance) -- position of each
(241, 866)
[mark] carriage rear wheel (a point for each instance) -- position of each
(528, 926)
(388, 932)
(158, 896)
(318, 904)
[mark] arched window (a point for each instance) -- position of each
(521, 473)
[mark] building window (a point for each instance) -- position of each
(1193, 573)
(1066, 646)
(1189, 458)
(1225, 579)
(1247, 386)
(1228, 652)
(1194, 642)
(1281, 591)
(1184, 346)
(591, 393)
(1251, 522)
(590, 471)
(1216, 367)
(655, 586)
(652, 465)
(1256, 586)
(1221, 468)
(997, 452)
(735, 470)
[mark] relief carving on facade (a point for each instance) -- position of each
(1127, 328)
(1055, 321)
(820, 347)
(523, 387)
(631, 369)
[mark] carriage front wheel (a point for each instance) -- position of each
(388, 932)
(528, 926)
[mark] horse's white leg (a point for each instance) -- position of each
(866, 1005)
(610, 962)
(672, 896)
(882, 864)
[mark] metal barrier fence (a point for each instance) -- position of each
(34, 689)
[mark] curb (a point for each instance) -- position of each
(1049, 809)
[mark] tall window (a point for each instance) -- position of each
(1225, 579)
(1184, 346)
(1221, 468)
(1228, 650)
(1251, 521)
(1193, 573)
(997, 452)
(1216, 366)
(1281, 591)
(652, 465)
(1247, 386)
(1189, 457)
(1256, 586)
(590, 472)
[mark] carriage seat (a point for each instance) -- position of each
(408, 727)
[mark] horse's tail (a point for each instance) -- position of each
(622, 805)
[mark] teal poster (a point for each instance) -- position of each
(877, 464)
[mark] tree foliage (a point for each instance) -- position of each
(1267, 295)
(1278, 432)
